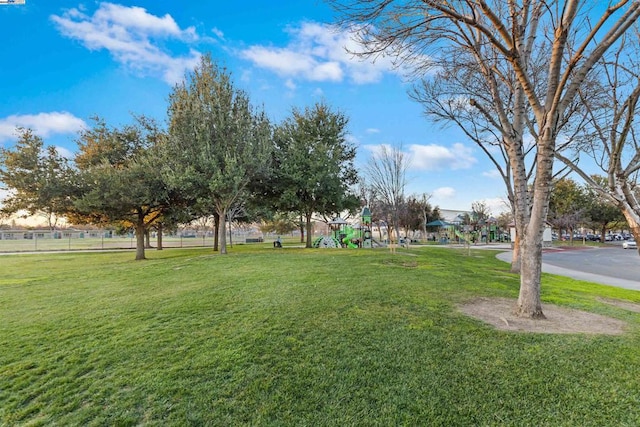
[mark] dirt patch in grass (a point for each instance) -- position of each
(402, 262)
(498, 312)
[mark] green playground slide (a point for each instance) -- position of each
(347, 241)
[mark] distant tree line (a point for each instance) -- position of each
(217, 156)
(574, 206)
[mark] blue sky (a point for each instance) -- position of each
(67, 61)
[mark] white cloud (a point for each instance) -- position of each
(42, 124)
(138, 18)
(289, 84)
(129, 34)
(281, 61)
(65, 152)
(493, 173)
(318, 52)
(377, 150)
(245, 76)
(444, 193)
(218, 33)
(438, 157)
(433, 157)
(373, 130)
(351, 139)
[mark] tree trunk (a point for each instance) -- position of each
(140, 238)
(633, 220)
(309, 231)
(159, 238)
(529, 303)
(147, 238)
(302, 233)
(221, 234)
(216, 226)
(515, 258)
(424, 228)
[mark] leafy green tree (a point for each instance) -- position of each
(600, 209)
(314, 164)
(505, 221)
(218, 144)
(281, 223)
(38, 178)
(417, 212)
(567, 205)
(119, 179)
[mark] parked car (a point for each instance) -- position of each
(629, 244)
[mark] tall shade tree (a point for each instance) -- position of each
(314, 164)
(387, 175)
(503, 38)
(119, 179)
(218, 143)
(39, 180)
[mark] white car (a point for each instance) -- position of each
(629, 244)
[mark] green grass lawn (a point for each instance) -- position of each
(298, 337)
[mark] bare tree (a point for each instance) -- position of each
(610, 135)
(504, 34)
(481, 211)
(386, 174)
(483, 108)
(425, 210)
(236, 211)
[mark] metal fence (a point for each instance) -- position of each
(37, 240)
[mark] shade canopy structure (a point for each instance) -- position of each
(337, 221)
(438, 223)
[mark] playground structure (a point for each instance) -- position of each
(344, 235)
(484, 232)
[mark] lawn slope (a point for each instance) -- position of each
(298, 337)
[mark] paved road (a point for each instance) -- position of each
(608, 265)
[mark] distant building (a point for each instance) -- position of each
(453, 216)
